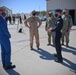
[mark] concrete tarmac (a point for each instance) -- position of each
(39, 62)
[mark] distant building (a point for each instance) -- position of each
(63, 4)
(8, 11)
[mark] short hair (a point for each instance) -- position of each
(2, 9)
(50, 13)
(65, 10)
(58, 10)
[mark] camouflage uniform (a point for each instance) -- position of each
(50, 22)
(67, 24)
(34, 23)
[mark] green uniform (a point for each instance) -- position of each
(67, 24)
(50, 22)
(34, 23)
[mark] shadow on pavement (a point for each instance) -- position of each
(70, 50)
(69, 64)
(44, 54)
(12, 72)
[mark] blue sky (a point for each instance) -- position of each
(24, 5)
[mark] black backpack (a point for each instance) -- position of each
(20, 30)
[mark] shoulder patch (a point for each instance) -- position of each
(58, 22)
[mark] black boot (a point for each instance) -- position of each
(48, 44)
(4, 64)
(62, 43)
(9, 67)
(55, 55)
(60, 61)
(67, 45)
(31, 48)
(38, 47)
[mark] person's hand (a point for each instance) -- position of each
(46, 29)
(49, 30)
(29, 27)
(68, 30)
(38, 26)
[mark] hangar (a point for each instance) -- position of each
(63, 4)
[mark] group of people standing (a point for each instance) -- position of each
(10, 19)
(57, 26)
(67, 24)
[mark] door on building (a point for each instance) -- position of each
(72, 13)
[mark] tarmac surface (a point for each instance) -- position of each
(39, 62)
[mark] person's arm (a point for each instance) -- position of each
(39, 21)
(26, 22)
(5, 29)
(46, 25)
(70, 23)
(57, 26)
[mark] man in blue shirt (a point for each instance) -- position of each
(5, 42)
(57, 29)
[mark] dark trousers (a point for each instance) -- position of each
(6, 53)
(58, 47)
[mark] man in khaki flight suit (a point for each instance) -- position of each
(50, 22)
(67, 24)
(33, 23)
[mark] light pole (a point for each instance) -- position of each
(47, 1)
(39, 10)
